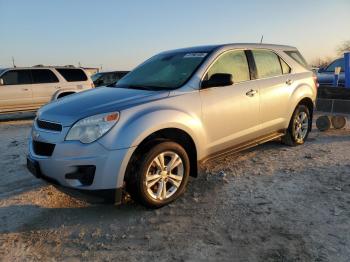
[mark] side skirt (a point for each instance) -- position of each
(243, 146)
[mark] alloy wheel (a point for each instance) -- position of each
(164, 175)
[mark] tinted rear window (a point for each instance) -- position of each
(41, 76)
(298, 58)
(17, 77)
(72, 75)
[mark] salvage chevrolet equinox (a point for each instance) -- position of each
(147, 133)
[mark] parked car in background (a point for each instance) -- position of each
(325, 76)
(28, 88)
(107, 78)
(149, 131)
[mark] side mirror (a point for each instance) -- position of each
(1, 82)
(218, 80)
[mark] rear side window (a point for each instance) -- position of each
(17, 77)
(298, 58)
(72, 75)
(41, 76)
(267, 63)
(285, 67)
(121, 75)
(234, 63)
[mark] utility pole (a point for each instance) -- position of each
(13, 62)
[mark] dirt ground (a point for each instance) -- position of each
(270, 203)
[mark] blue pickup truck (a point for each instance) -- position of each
(325, 76)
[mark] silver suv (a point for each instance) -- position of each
(148, 132)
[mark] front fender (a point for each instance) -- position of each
(132, 131)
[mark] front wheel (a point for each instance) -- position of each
(299, 127)
(160, 175)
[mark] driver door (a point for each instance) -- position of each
(16, 91)
(230, 113)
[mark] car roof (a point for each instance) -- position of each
(209, 48)
(41, 67)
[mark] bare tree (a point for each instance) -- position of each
(344, 47)
(321, 62)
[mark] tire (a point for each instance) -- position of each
(148, 175)
(338, 122)
(299, 127)
(65, 94)
(323, 123)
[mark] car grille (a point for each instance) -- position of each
(43, 149)
(49, 125)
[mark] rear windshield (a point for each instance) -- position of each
(297, 57)
(72, 75)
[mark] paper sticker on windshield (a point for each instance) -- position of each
(195, 55)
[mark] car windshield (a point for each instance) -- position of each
(163, 71)
(337, 63)
(96, 76)
(2, 70)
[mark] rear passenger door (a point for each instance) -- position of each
(16, 92)
(45, 84)
(273, 79)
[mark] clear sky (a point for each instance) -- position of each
(121, 34)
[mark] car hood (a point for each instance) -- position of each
(72, 108)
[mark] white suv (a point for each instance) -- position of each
(25, 89)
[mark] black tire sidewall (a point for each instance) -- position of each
(147, 159)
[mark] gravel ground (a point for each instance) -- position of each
(270, 203)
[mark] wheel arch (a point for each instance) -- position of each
(177, 135)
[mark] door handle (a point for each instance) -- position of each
(289, 82)
(251, 92)
(25, 89)
(57, 87)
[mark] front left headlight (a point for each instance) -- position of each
(90, 129)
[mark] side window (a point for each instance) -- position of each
(285, 67)
(232, 62)
(337, 63)
(297, 57)
(267, 63)
(41, 76)
(72, 75)
(17, 77)
(121, 75)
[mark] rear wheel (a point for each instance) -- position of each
(299, 127)
(160, 175)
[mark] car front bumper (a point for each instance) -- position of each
(87, 168)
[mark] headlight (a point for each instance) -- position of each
(90, 129)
